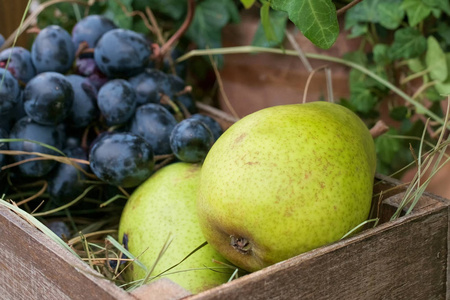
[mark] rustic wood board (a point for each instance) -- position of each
(402, 259)
(32, 266)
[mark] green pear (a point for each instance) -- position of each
(165, 205)
(285, 180)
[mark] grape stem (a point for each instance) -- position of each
(179, 33)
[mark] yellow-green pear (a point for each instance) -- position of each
(165, 204)
(285, 180)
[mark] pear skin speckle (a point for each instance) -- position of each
(286, 179)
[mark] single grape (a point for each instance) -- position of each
(3, 146)
(154, 123)
(53, 50)
(146, 85)
(122, 53)
(117, 101)
(20, 64)
(191, 140)
(48, 98)
(2, 40)
(9, 92)
(60, 229)
(27, 129)
(212, 124)
(84, 108)
(65, 181)
(121, 159)
(90, 29)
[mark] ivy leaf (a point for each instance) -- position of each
(265, 21)
(365, 11)
(387, 147)
(439, 4)
(416, 11)
(209, 19)
(248, 3)
(435, 60)
(443, 30)
(361, 98)
(316, 19)
(175, 9)
(380, 54)
(116, 13)
(408, 43)
(278, 21)
(391, 14)
(443, 88)
(358, 30)
(416, 65)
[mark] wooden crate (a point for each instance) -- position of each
(402, 259)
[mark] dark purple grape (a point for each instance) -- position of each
(154, 123)
(9, 93)
(121, 159)
(27, 129)
(86, 66)
(186, 102)
(146, 86)
(3, 146)
(53, 50)
(212, 124)
(90, 29)
(60, 229)
(48, 98)
(117, 101)
(180, 68)
(191, 140)
(20, 64)
(122, 53)
(173, 85)
(84, 108)
(2, 40)
(66, 182)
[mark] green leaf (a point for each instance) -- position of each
(416, 65)
(278, 21)
(387, 147)
(408, 43)
(358, 30)
(209, 19)
(390, 14)
(443, 29)
(316, 19)
(116, 13)
(416, 11)
(361, 98)
(265, 21)
(248, 3)
(443, 88)
(440, 4)
(380, 54)
(435, 60)
(398, 113)
(365, 11)
(176, 9)
(358, 57)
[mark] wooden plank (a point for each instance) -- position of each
(403, 259)
(32, 266)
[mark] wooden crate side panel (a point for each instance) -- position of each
(32, 266)
(406, 259)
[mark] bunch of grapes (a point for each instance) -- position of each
(95, 96)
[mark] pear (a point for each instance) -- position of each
(165, 205)
(285, 180)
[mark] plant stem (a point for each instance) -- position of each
(347, 7)
(189, 17)
(414, 76)
(252, 49)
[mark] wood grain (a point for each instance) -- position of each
(402, 259)
(32, 266)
